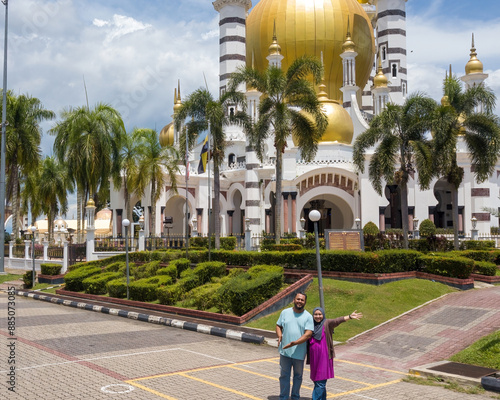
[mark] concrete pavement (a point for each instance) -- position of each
(68, 353)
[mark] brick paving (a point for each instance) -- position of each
(68, 353)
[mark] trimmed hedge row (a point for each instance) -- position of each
(74, 279)
(485, 268)
(97, 284)
(226, 243)
(455, 267)
(50, 269)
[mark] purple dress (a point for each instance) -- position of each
(321, 364)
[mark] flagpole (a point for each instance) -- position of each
(209, 196)
(187, 208)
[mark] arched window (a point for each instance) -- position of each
(231, 159)
(384, 53)
(394, 70)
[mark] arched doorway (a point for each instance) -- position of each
(176, 208)
(393, 214)
(238, 214)
(442, 213)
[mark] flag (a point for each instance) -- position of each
(202, 166)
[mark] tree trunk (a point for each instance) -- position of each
(279, 200)
(404, 212)
(153, 216)
(78, 212)
(216, 205)
(454, 206)
(15, 207)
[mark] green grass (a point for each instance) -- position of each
(9, 277)
(484, 353)
(377, 303)
(450, 385)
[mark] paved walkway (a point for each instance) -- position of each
(68, 353)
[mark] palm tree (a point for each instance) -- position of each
(465, 116)
(157, 165)
(53, 188)
(30, 198)
(205, 113)
(88, 141)
(287, 104)
(22, 145)
(399, 132)
(128, 161)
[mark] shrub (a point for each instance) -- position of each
(189, 280)
(431, 243)
(160, 280)
(117, 288)
(476, 255)
(397, 261)
(427, 228)
(244, 292)
(50, 269)
(285, 247)
(205, 271)
(28, 279)
(205, 296)
(169, 295)
(181, 265)
(455, 267)
(370, 229)
(97, 284)
(146, 270)
(74, 279)
(348, 261)
(477, 244)
(228, 243)
(143, 290)
(171, 271)
(116, 266)
(485, 268)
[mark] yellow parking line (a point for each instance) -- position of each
(364, 389)
(220, 387)
(371, 366)
(254, 373)
(151, 390)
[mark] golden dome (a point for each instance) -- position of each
(340, 128)
(380, 80)
(348, 44)
(305, 27)
(167, 135)
(363, 1)
(473, 66)
(104, 214)
(445, 101)
(177, 99)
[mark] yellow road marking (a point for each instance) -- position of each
(255, 373)
(364, 389)
(151, 390)
(371, 366)
(220, 387)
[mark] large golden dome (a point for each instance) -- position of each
(311, 27)
(167, 135)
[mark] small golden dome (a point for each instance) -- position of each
(473, 66)
(348, 44)
(177, 99)
(104, 214)
(167, 135)
(380, 79)
(60, 223)
(275, 48)
(340, 127)
(363, 1)
(91, 202)
(461, 120)
(445, 101)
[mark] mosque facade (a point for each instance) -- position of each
(363, 47)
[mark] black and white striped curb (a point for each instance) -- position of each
(190, 326)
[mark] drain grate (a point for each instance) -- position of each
(470, 371)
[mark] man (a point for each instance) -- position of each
(294, 328)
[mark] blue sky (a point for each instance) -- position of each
(131, 53)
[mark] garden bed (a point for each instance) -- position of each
(51, 279)
(275, 303)
(485, 278)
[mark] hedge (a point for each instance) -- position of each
(226, 243)
(485, 268)
(476, 255)
(477, 244)
(147, 270)
(244, 292)
(97, 284)
(181, 265)
(50, 269)
(115, 267)
(205, 271)
(390, 261)
(74, 279)
(28, 279)
(455, 267)
(171, 271)
(169, 295)
(117, 288)
(204, 297)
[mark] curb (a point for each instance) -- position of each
(190, 326)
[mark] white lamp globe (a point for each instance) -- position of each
(314, 215)
(126, 222)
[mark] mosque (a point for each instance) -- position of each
(363, 47)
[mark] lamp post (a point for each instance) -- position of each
(126, 224)
(141, 233)
(248, 238)
(302, 227)
(358, 223)
(33, 230)
(314, 216)
(416, 233)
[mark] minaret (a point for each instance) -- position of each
(275, 56)
(474, 75)
(380, 90)
(232, 37)
(177, 106)
(348, 56)
(391, 43)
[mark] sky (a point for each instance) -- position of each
(130, 53)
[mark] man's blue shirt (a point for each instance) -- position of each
(294, 326)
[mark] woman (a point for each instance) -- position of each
(320, 352)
